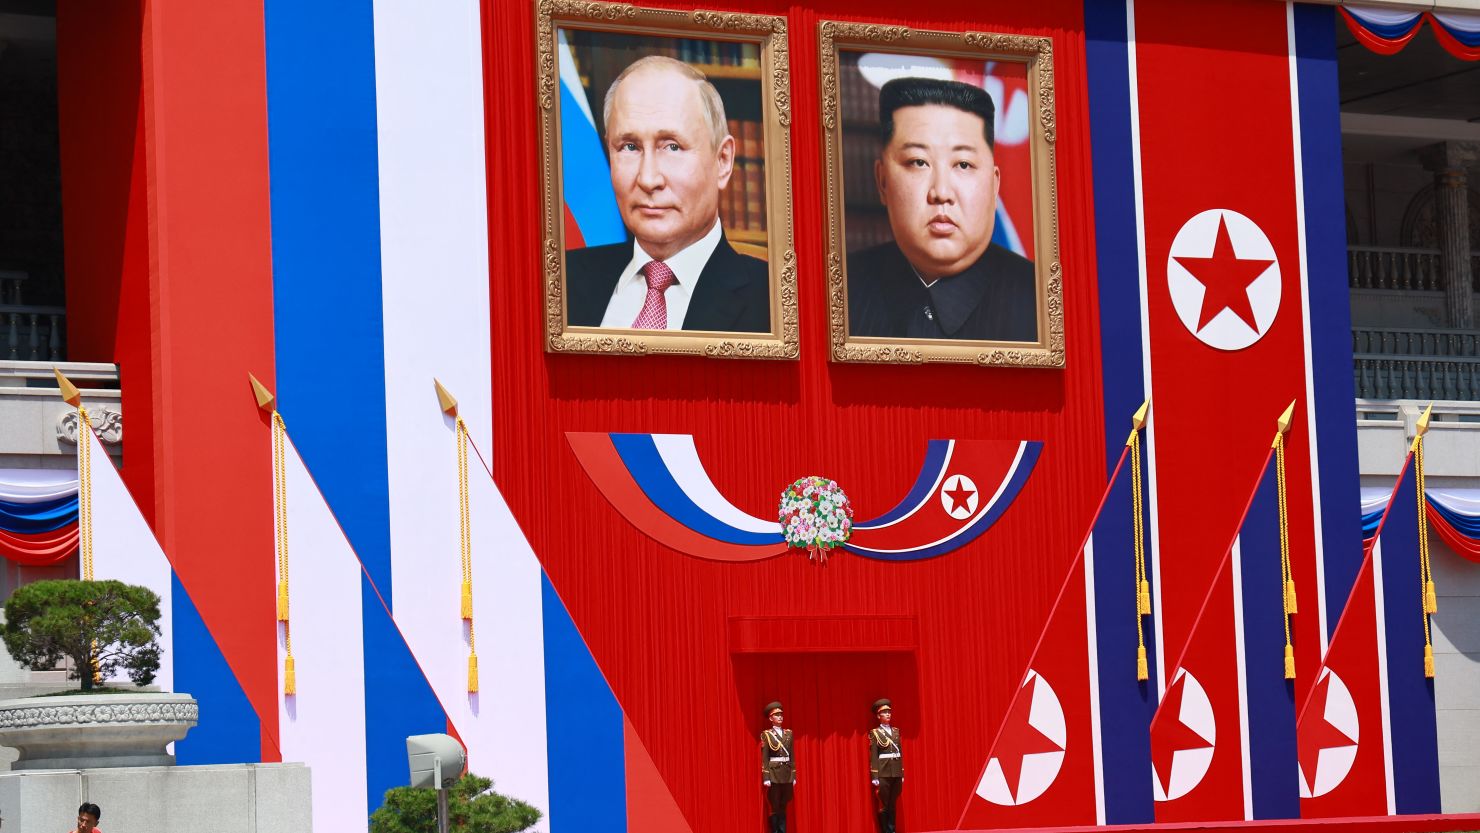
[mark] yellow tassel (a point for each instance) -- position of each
(472, 673)
(1289, 662)
(1143, 599)
(1430, 598)
(290, 677)
(1428, 661)
(282, 601)
(467, 600)
(1291, 606)
(1141, 670)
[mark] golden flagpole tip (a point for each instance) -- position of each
(445, 400)
(265, 400)
(1423, 421)
(1286, 418)
(70, 394)
(1139, 420)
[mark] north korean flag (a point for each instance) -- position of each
(1223, 738)
(1044, 766)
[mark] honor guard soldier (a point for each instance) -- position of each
(885, 764)
(778, 770)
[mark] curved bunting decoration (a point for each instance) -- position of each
(659, 484)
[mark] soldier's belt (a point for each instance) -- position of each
(781, 760)
(888, 755)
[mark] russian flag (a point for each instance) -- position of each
(591, 216)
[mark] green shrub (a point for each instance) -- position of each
(472, 807)
(101, 626)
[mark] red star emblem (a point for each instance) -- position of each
(1225, 279)
(1316, 734)
(1169, 734)
(1019, 738)
(959, 497)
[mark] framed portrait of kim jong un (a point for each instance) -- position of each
(667, 177)
(942, 217)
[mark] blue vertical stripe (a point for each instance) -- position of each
(1410, 694)
(1330, 302)
(323, 157)
(1126, 705)
(228, 732)
(1271, 698)
(399, 701)
(588, 783)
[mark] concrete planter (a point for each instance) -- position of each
(98, 730)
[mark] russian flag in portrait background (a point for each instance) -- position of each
(591, 216)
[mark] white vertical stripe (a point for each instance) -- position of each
(323, 725)
(1310, 375)
(1135, 100)
(1379, 600)
(436, 317)
(1243, 675)
(1092, 638)
(124, 548)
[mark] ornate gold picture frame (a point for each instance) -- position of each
(912, 237)
(605, 233)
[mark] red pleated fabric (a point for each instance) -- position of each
(41, 549)
(683, 641)
(1466, 547)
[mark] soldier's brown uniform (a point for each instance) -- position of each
(886, 765)
(779, 770)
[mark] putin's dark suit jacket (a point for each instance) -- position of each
(733, 294)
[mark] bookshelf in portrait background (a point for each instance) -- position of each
(735, 70)
(865, 222)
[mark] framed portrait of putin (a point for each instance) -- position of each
(942, 218)
(666, 177)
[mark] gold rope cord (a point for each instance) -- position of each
(465, 533)
(1143, 587)
(1287, 583)
(280, 511)
(84, 493)
(1428, 600)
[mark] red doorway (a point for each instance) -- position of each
(827, 697)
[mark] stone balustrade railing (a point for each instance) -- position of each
(1416, 364)
(1381, 267)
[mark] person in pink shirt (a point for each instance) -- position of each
(87, 818)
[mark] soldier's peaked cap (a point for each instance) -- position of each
(883, 705)
(772, 708)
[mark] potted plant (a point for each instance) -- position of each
(102, 627)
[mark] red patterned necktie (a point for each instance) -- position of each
(654, 314)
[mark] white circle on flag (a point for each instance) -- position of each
(1198, 239)
(959, 497)
(1334, 762)
(1038, 769)
(1190, 765)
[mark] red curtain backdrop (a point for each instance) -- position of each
(657, 621)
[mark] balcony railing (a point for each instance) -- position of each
(1388, 267)
(28, 332)
(1417, 364)
(1378, 267)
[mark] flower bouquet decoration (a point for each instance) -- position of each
(815, 516)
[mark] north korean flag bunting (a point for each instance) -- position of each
(1045, 764)
(1223, 738)
(1344, 766)
(1367, 738)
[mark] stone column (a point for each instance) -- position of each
(1450, 161)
